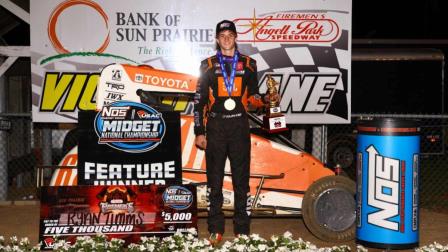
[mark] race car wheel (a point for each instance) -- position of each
(343, 152)
(328, 209)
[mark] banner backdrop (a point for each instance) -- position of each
(124, 212)
(305, 45)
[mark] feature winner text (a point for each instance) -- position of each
(128, 174)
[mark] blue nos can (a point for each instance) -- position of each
(387, 184)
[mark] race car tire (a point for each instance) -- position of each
(328, 209)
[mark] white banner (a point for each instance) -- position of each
(305, 45)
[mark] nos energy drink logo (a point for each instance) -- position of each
(130, 126)
(384, 184)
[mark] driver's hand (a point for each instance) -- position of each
(275, 97)
(201, 142)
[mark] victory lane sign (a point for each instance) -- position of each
(129, 143)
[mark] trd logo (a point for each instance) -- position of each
(305, 92)
(383, 189)
(115, 96)
(115, 86)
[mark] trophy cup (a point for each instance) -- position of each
(274, 121)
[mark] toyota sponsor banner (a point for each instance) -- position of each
(124, 212)
(304, 45)
(140, 83)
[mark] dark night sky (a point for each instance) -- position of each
(392, 19)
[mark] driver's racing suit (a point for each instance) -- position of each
(227, 134)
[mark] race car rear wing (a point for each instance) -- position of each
(134, 83)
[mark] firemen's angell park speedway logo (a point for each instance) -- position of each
(288, 27)
(130, 126)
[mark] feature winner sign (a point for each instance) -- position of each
(304, 45)
(124, 212)
(128, 143)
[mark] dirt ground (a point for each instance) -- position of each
(23, 221)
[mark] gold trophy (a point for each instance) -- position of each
(274, 121)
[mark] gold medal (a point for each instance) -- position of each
(229, 104)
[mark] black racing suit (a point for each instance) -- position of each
(228, 136)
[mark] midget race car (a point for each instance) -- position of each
(285, 180)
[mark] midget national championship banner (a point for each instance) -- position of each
(303, 45)
(124, 212)
(129, 143)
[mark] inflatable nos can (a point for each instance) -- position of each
(387, 183)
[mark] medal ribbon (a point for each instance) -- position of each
(228, 81)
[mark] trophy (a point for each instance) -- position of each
(274, 121)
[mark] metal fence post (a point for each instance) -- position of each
(3, 145)
(324, 144)
(46, 146)
(319, 149)
(298, 136)
(316, 149)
